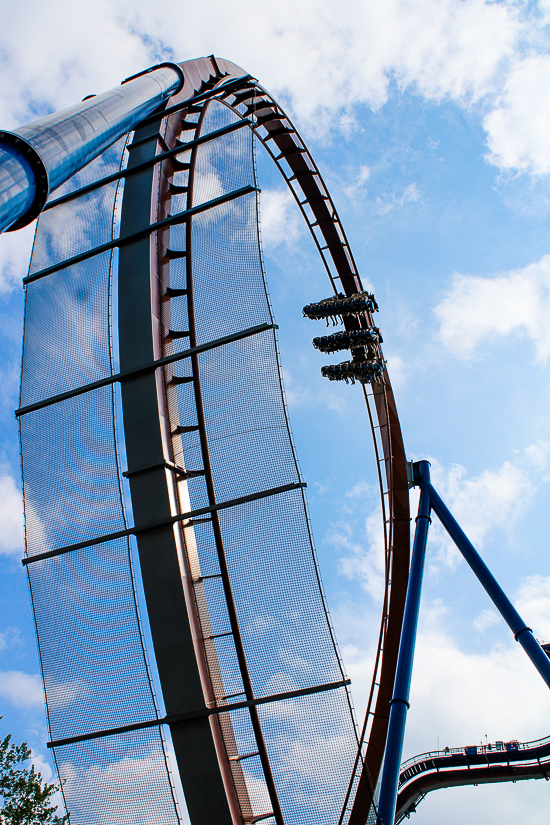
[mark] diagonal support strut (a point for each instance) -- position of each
(431, 500)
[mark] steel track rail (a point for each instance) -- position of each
(287, 149)
(228, 753)
(166, 573)
(218, 536)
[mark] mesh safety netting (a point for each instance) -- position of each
(285, 630)
(90, 642)
(86, 601)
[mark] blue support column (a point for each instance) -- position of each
(400, 700)
(522, 633)
(430, 499)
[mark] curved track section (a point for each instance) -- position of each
(248, 101)
(501, 762)
(164, 507)
(261, 622)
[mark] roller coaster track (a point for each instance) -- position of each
(501, 762)
(162, 192)
(213, 78)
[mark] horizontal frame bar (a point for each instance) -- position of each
(137, 371)
(199, 714)
(124, 173)
(133, 531)
(180, 217)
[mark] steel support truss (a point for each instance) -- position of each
(430, 501)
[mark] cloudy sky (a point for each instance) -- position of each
(430, 121)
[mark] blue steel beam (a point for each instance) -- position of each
(430, 499)
(42, 155)
(522, 633)
(399, 704)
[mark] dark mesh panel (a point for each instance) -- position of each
(250, 448)
(310, 760)
(282, 617)
(226, 256)
(84, 222)
(96, 678)
(117, 779)
(70, 478)
(251, 766)
(221, 164)
(178, 201)
(225, 252)
(105, 164)
(311, 755)
(74, 227)
(270, 560)
(90, 641)
(67, 329)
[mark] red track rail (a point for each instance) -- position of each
(282, 141)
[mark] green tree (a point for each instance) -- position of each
(25, 798)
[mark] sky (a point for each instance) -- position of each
(430, 122)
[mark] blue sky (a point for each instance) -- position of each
(430, 123)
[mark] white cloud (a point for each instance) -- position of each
(478, 310)
(42, 765)
(491, 690)
(21, 689)
(321, 57)
(503, 802)
(478, 503)
(11, 517)
(359, 490)
(15, 251)
(533, 605)
(518, 127)
(280, 220)
(497, 692)
(358, 187)
(397, 370)
(485, 620)
(10, 637)
(459, 695)
(89, 49)
(392, 200)
(301, 394)
(363, 556)
(331, 56)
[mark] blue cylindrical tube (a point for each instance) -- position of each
(17, 185)
(41, 156)
(522, 633)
